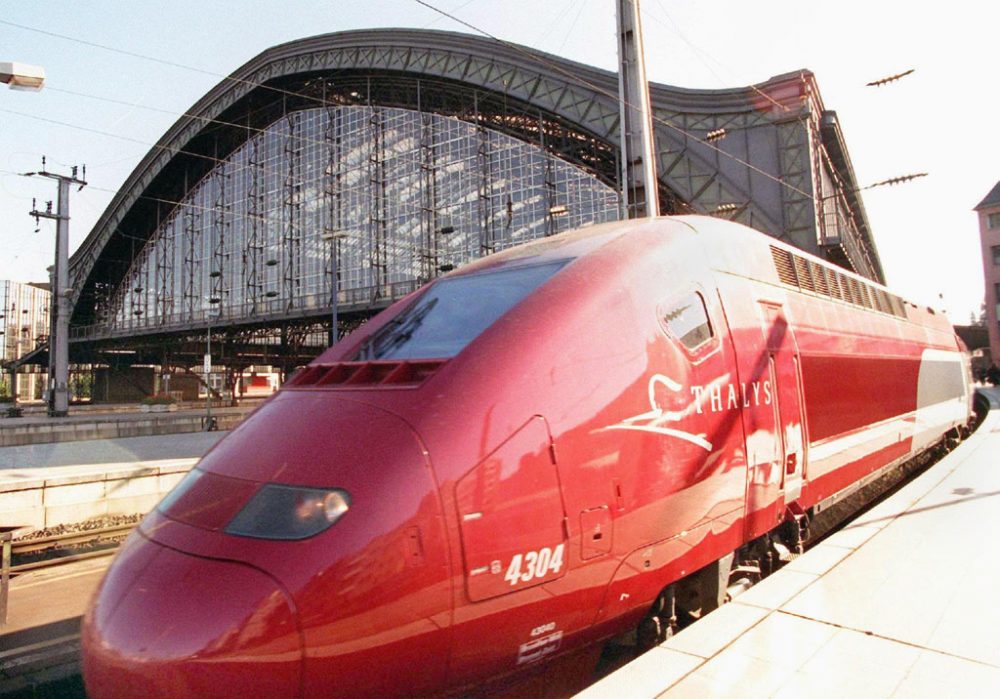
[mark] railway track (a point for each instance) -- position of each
(57, 549)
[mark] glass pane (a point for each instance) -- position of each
(453, 312)
(688, 321)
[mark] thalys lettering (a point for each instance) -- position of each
(512, 462)
(731, 396)
(715, 398)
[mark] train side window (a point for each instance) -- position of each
(687, 320)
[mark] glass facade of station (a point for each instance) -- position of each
(384, 199)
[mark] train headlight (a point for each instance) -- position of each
(289, 512)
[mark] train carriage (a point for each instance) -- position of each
(535, 453)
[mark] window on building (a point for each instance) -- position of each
(996, 254)
(993, 220)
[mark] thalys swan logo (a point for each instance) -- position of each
(657, 418)
(717, 397)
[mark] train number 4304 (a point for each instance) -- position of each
(525, 567)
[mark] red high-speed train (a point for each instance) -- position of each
(542, 450)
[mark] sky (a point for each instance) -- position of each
(119, 73)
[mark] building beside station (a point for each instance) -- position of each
(988, 211)
(24, 326)
(341, 172)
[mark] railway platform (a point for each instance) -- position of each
(40, 643)
(899, 603)
(116, 422)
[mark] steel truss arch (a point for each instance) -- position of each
(767, 172)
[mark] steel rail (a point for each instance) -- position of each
(54, 562)
(84, 536)
(68, 540)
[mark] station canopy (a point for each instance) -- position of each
(351, 168)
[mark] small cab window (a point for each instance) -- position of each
(455, 311)
(687, 320)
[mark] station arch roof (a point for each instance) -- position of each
(764, 173)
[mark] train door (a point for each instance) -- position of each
(783, 357)
(514, 546)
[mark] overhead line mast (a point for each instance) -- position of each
(638, 157)
(58, 393)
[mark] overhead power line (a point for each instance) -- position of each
(574, 78)
(108, 134)
(172, 64)
(173, 150)
(698, 51)
(532, 55)
(190, 115)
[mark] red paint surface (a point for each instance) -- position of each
(166, 624)
(850, 392)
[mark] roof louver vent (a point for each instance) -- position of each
(388, 374)
(783, 264)
(809, 275)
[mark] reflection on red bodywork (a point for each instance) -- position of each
(166, 624)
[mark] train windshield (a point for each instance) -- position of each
(453, 312)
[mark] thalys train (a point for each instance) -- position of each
(545, 449)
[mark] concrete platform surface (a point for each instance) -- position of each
(40, 644)
(39, 598)
(101, 451)
(898, 604)
(90, 425)
(46, 485)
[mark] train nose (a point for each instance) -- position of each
(169, 624)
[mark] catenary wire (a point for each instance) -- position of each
(173, 64)
(539, 58)
(572, 26)
(204, 119)
(536, 57)
(703, 55)
(174, 150)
